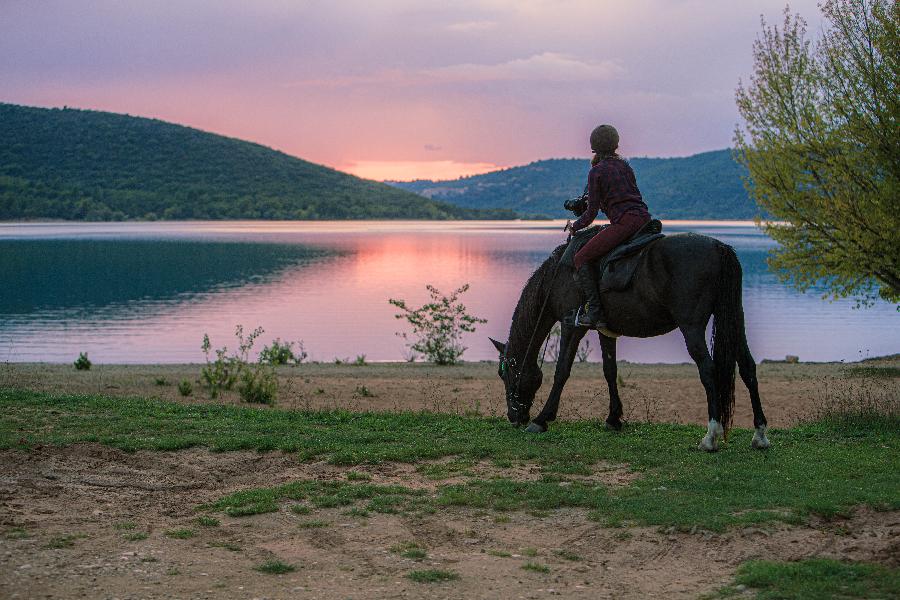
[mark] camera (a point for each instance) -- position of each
(576, 205)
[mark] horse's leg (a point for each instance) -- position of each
(610, 371)
(695, 339)
(747, 367)
(568, 346)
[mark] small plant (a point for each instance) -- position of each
(136, 536)
(584, 350)
(162, 381)
(438, 325)
(499, 553)
(314, 524)
(357, 476)
(431, 576)
(275, 567)
(568, 555)
(185, 388)
(125, 525)
(222, 372)
(82, 363)
(64, 541)
(180, 534)
(536, 567)
(357, 512)
(259, 385)
(364, 392)
(300, 509)
(409, 550)
(207, 521)
(360, 361)
(283, 353)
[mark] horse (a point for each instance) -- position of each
(680, 282)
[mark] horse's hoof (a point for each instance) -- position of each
(760, 441)
(535, 428)
(708, 445)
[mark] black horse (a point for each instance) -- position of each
(681, 281)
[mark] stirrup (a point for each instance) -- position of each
(577, 321)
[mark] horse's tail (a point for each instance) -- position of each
(728, 331)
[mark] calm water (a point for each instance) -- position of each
(147, 292)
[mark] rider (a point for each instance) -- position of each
(612, 189)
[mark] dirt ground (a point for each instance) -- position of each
(69, 517)
(100, 497)
(657, 393)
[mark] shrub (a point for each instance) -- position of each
(82, 363)
(185, 388)
(360, 360)
(282, 353)
(223, 372)
(258, 385)
(438, 325)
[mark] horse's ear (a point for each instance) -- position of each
(500, 346)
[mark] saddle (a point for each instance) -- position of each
(615, 270)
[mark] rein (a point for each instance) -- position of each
(511, 362)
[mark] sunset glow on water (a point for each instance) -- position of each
(147, 292)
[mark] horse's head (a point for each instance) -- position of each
(521, 384)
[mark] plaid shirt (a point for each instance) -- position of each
(612, 189)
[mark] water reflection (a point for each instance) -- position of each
(139, 292)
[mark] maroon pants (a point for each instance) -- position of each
(626, 226)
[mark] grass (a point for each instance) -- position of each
(275, 567)
(207, 521)
(812, 579)
(314, 524)
(180, 534)
(64, 541)
(136, 536)
(536, 567)
(409, 550)
(16, 533)
(300, 509)
(823, 468)
(499, 553)
(431, 576)
(568, 555)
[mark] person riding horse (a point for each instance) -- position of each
(612, 188)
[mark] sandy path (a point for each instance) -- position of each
(87, 490)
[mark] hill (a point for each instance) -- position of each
(90, 165)
(702, 186)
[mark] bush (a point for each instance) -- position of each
(282, 353)
(185, 388)
(82, 363)
(223, 372)
(438, 325)
(258, 385)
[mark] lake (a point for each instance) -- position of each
(147, 292)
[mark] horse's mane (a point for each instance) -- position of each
(531, 300)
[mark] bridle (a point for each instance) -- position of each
(512, 399)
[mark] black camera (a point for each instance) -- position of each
(576, 205)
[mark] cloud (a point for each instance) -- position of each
(408, 170)
(471, 26)
(547, 66)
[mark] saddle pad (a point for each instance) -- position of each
(616, 272)
(582, 237)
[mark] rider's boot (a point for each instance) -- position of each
(591, 315)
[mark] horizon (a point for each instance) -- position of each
(401, 90)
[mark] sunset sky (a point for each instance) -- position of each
(399, 89)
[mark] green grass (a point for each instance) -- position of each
(568, 555)
(300, 509)
(409, 550)
(813, 579)
(136, 536)
(431, 576)
(207, 521)
(275, 567)
(16, 533)
(125, 525)
(536, 567)
(180, 534)
(64, 541)
(499, 553)
(823, 468)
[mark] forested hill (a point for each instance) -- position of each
(78, 164)
(702, 186)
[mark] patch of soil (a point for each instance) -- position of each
(69, 518)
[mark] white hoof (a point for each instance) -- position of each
(714, 431)
(760, 441)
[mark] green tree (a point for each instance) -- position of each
(438, 325)
(822, 148)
